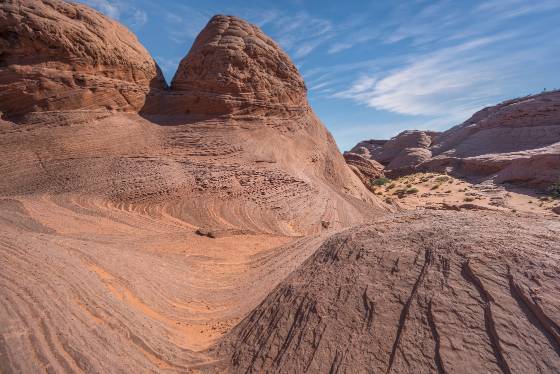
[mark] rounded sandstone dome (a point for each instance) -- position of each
(56, 55)
(233, 64)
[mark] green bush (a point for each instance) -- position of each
(380, 181)
(412, 190)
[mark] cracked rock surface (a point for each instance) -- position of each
(420, 292)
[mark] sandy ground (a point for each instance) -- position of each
(438, 191)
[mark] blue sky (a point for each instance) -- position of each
(375, 68)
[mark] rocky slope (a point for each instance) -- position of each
(366, 169)
(420, 292)
(105, 192)
(140, 224)
(516, 141)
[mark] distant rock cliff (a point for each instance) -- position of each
(515, 141)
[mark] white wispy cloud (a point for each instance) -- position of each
(453, 81)
(121, 10)
(106, 7)
(183, 23)
(301, 33)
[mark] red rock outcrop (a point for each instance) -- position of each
(364, 168)
(56, 55)
(367, 148)
(516, 141)
(401, 154)
(234, 68)
(102, 267)
(425, 292)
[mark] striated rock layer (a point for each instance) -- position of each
(234, 67)
(516, 141)
(56, 55)
(102, 267)
(417, 293)
(363, 167)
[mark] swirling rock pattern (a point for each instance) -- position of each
(102, 267)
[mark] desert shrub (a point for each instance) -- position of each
(442, 179)
(392, 185)
(412, 190)
(468, 199)
(435, 187)
(554, 190)
(380, 181)
(400, 193)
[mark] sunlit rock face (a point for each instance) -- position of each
(233, 67)
(515, 141)
(56, 55)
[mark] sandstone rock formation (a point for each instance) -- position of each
(56, 55)
(364, 168)
(516, 141)
(367, 148)
(102, 269)
(234, 67)
(401, 154)
(416, 293)
(140, 224)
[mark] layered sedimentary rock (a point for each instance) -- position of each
(401, 154)
(363, 167)
(234, 68)
(56, 55)
(419, 293)
(102, 267)
(515, 141)
(367, 148)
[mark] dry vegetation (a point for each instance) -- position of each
(435, 190)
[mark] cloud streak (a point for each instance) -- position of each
(120, 10)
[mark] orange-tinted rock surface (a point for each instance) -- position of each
(234, 67)
(102, 266)
(61, 56)
(363, 167)
(140, 224)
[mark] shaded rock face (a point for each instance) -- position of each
(364, 168)
(62, 56)
(414, 294)
(234, 67)
(516, 141)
